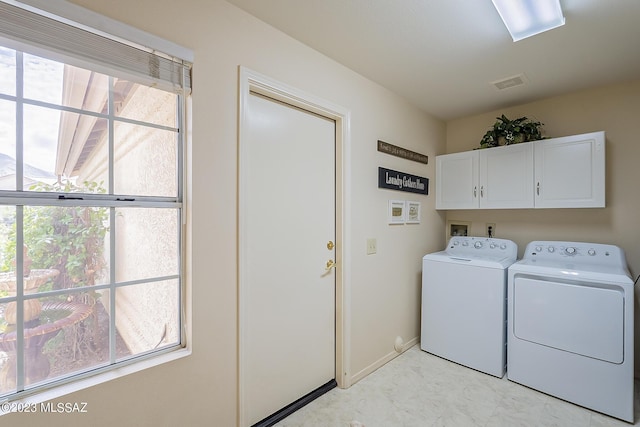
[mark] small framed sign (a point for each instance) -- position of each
(413, 212)
(396, 212)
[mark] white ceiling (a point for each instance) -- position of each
(442, 55)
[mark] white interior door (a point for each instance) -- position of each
(289, 219)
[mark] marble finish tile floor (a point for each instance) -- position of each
(417, 389)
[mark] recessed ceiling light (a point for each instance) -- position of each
(526, 18)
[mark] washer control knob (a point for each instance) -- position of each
(456, 243)
(538, 248)
(465, 243)
(570, 250)
(592, 252)
(492, 246)
(551, 249)
(477, 245)
(503, 246)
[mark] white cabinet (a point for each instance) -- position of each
(570, 172)
(553, 173)
(457, 181)
(492, 178)
(506, 177)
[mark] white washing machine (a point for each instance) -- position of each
(464, 302)
(570, 324)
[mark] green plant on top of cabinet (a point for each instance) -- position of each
(505, 132)
(566, 172)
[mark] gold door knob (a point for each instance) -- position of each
(330, 245)
(330, 264)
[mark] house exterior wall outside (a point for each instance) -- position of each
(147, 168)
(384, 289)
(613, 109)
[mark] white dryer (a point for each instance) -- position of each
(464, 302)
(570, 324)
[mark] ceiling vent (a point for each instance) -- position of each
(510, 82)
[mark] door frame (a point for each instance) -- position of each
(251, 81)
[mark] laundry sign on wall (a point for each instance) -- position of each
(394, 180)
(394, 150)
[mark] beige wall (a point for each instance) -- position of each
(613, 109)
(385, 288)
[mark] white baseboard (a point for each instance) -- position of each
(382, 361)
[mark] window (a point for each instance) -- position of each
(90, 209)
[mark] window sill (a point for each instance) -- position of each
(55, 392)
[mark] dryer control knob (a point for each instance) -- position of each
(492, 246)
(477, 245)
(592, 252)
(503, 246)
(551, 249)
(538, 248)
(570, 250)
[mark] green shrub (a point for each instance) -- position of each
(68, 239)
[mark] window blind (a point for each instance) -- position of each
(90, 49)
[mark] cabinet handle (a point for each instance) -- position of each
(482, 191)
(538, 189)
(475, 192)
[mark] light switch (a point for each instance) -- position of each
(372, 246)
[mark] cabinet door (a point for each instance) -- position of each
(570, 172)
(506, 177)
(457, 180)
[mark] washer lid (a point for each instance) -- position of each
(486, 262)
(478, 251)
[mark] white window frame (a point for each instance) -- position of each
(69, 13)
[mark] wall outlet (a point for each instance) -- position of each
(372, 246)
(491, 229)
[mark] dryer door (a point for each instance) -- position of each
(579, 318)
